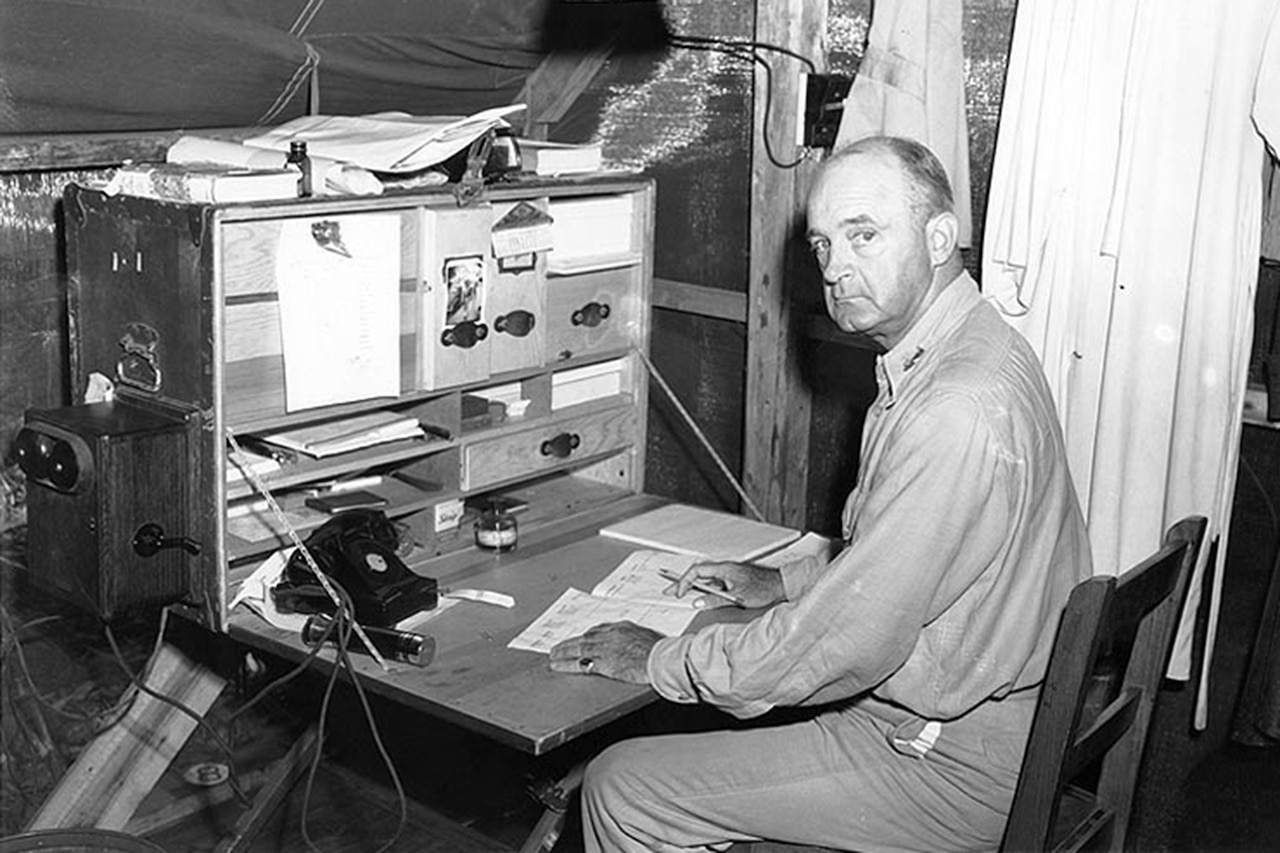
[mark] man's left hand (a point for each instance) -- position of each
(615, 650)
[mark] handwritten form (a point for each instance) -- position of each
(631, 593)
(339, 287)
(639, 578)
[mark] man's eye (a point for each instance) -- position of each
(821, 251)
(862, 237)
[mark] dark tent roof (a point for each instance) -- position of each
(102, 65)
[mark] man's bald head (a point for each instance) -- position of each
(926, 179)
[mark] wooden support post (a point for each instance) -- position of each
(776, 441)
(118, 769)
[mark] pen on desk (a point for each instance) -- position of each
(703, 586)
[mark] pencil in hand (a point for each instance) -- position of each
(705, 587)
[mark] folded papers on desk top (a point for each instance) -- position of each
(333, 177)
(393, 142)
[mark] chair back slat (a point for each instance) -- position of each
(1102, 734)
(1114, 636)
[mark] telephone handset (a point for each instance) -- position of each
(357, 550)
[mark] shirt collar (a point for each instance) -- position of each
(946, 312)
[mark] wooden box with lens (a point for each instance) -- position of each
(109, 509)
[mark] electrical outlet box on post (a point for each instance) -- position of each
(823, 106)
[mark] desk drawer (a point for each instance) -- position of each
(546, 447)
(591, 312)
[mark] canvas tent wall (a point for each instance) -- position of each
(105, 65)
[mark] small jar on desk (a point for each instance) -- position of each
(496, 529)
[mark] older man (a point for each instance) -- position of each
(922, 644)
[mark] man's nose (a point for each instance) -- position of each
(836, 268)
(838, 276)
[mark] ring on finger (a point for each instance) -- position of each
(586, 664)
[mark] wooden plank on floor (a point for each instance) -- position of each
(118, 769)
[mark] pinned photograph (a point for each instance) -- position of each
(464, 280)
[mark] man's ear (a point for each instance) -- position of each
(941, 234)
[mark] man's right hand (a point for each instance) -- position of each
(743, 584)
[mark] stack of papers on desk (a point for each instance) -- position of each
(701, 532)
(343, 436)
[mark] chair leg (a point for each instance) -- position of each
(555, 798)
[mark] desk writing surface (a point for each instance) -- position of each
(476, 681)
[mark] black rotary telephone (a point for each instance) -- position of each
(356, 549)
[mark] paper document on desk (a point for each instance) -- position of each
(575, 611)
(639, 578)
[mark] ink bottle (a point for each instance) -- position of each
(496, 530)
(299, 159)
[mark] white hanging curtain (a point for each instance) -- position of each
(1122, 238)
(911, 83)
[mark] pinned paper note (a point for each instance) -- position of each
(339, 285)
(521, 231)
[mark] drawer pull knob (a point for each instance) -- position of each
(517, 324)
(591, 314)
(562, 445)
(465, 334)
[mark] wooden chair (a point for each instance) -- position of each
(1081, 765)
(1076, 787)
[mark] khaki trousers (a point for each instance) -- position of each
(869, 777)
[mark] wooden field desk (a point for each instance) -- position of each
(475, 681)
(513, 327)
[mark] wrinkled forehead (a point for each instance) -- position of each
(869, 184)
